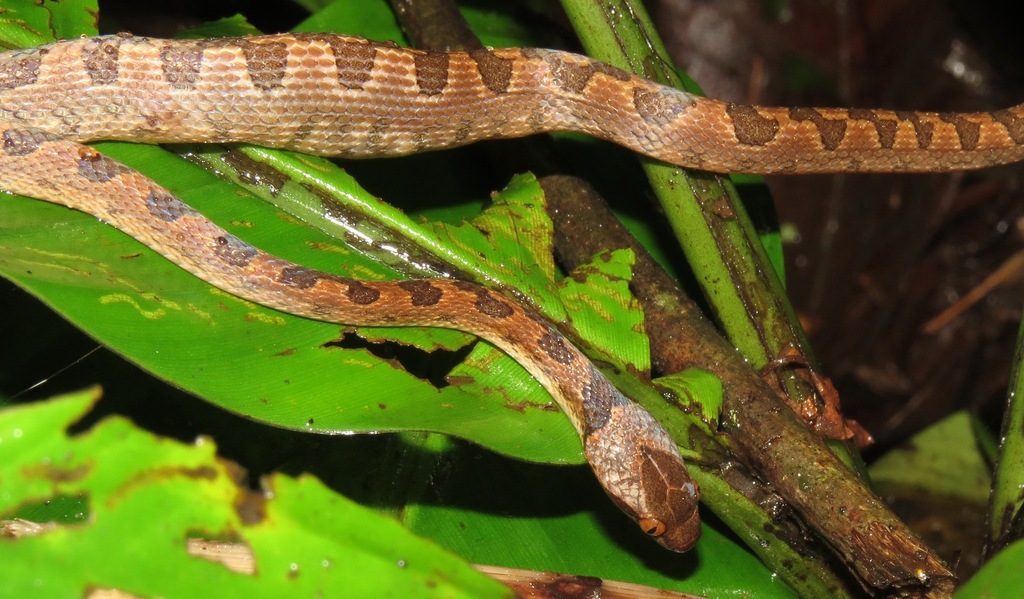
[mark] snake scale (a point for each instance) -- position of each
(344, 96)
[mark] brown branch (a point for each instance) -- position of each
(435, 25)
(767, 435)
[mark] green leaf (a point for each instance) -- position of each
(26, 23)
(510, 245)
(371, 19)
(696, 390)
(944, 460)
(1000, 577)
(305, 539)
(235, 25)
(604, 311)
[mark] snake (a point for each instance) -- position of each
(348, 97)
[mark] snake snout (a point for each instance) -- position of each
(680, 537)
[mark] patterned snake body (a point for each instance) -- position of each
(345, 96)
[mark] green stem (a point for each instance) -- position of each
(1005, 521)
(704, 211)
(632, 43)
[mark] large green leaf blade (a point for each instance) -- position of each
(305, 539)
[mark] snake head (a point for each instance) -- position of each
(652, 486)
(668, 499)
(639, 465)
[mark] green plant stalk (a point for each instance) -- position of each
(809, 574)
(1005, 524)
(709, 221)
(330, 200)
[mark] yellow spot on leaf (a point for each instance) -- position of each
(123, 298)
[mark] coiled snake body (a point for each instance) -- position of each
(344, 96)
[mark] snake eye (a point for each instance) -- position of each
(652, 526)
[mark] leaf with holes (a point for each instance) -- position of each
(304, 539)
